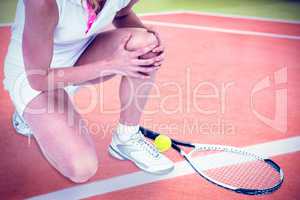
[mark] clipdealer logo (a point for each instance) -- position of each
(279, 82)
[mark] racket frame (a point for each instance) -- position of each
(175, 145)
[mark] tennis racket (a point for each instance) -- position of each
(230, 167)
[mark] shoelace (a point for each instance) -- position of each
(146, 145)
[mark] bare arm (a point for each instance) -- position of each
(127, 18)
(40, 21)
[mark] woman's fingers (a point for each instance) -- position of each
(149, 61)
(145, 69)
(158, 49)
(158, 64)
(160, 57)
(142, 51)
(144, 62)
(139, 75)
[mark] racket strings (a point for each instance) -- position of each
(240, 170)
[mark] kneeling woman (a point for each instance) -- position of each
(59, 44)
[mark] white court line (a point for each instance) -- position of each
(222, 30)
(175, 12)
(5, 24)
(268, 149)
(214, 14)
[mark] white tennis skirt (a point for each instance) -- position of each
(15, 78)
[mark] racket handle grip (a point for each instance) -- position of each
(148, 133)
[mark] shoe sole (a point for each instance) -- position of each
(118, 155)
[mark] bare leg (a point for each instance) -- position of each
(62, 135)
(134, 92)
(133, 96)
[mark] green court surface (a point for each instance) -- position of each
(281, 9)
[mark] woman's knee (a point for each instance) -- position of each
(140, 38)
(82, 167)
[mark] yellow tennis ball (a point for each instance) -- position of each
(162, 143)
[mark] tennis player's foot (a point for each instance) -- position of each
(20, 125)
(141, 152)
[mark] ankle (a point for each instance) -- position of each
(125, 132)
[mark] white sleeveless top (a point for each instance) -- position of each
(70, 38)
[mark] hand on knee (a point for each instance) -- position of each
(129, 57)
(141, 39)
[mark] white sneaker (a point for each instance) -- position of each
(142, 153)
(20, 125)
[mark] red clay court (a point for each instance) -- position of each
(236, 82)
